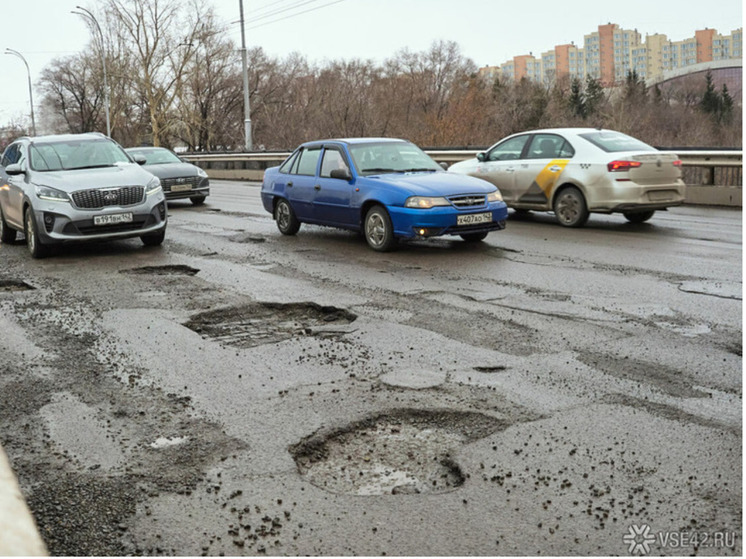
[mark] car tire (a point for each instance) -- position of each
(7, 235)
(36, 248)
(285, 218)
(154, 239)
(198, 200)
(570, 207)
(639, 217)
(475, 237)
(378, 229)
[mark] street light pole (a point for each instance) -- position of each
(30, 94)
(246, 109)
(88, 15)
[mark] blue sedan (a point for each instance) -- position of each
(389, 189)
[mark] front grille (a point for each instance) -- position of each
(168, 183)
(469, 201)
(98, 198)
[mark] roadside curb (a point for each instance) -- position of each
(18, 533)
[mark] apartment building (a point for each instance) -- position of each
(610, 53)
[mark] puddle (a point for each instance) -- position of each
(404, 452)
(244, 238)
(169, 270)
(491, 369)
(14, 285)
(266, 323)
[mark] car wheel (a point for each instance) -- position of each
(379, 232)
(570, 208)
(7, 235)
(639, 217)
(198, 200)
(34, 244)
(287, 223)
(154, 239)
(475, 237)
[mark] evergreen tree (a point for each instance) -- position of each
(726, 105)
(710, 102)
(577, 99)
(594, 95)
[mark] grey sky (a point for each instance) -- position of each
(488, 31)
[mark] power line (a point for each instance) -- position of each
(294, 15)
(297, 4)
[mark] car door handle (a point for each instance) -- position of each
(289, 184)
(510, 170)
(317, 187)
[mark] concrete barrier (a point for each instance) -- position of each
(19, 536)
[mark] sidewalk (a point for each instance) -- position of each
(18, 533)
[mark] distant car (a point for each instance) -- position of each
(577, 171)
(386, 188)
(179, 179)
(77, 187)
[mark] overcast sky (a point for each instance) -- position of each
(489, 31)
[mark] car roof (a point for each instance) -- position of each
(352, 141)
(67, 137)
(146, 148)
(571, 131)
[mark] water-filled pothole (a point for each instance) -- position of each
(265, 323)
(396, 453)
(491, 369)
(14, 285)
(168, 270)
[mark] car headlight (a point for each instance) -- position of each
(495, 196)
(52, 194)
(425, 202)
(153, 186)
(201, 172)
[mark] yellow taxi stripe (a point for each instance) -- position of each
(548, 175)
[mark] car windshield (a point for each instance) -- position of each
(75, 154)
(391, 157)
(615, 141)
(155, 156)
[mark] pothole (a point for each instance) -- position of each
(244, 238)
(396, 453)
(266, 323)
(168, 270)
(14, 285)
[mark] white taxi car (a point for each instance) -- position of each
(576, 171)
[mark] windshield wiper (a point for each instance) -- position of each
(380, 170)
(90, 167)
(420, 169)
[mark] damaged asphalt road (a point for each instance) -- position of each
(238, 392)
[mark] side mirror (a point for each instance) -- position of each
(444, 165)
(343, 174)
(482, 156)
(140, 159)
(14, 169)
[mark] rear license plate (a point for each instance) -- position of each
(112, 219)
(474, 219)
(661, 195)
(181, 187)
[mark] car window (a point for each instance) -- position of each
(75, 154)
(285, 167)
(508, 150)
(155, 156)
(549, 146)
(391, 157)
(610, 141)
(12, 155)
(307, 162)
(333, 159)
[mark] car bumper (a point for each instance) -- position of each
(194, 190)
(58, 225)
(625, 196)
(411, 222)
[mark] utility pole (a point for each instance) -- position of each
(88, 15)
(30, 94)
(246, 109)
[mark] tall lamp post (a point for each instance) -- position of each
(30, 94)
(246, 110)
(89, 16)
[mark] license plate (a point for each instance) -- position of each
(660, 195)
(181, 187)
(112, 219)
(474, 219)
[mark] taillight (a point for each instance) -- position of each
(677, 163)
(622, 165)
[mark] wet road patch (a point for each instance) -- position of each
(14, 285)
(403, 452)
(491, 369)
(265, 323)
(169, 270)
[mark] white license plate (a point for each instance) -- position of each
(112, 219)
(660, 195)
(474, 219)
(181, 187)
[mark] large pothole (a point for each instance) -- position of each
(167, 270)
(265, 323)
(400, 452)
(14, 285)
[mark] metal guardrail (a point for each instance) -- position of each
(256, 162)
